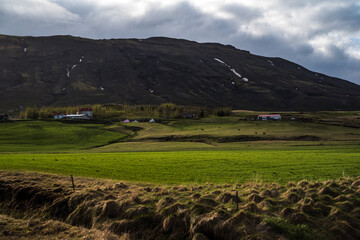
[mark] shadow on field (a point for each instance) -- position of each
(204, 138)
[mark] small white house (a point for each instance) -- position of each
(152, 120)
(265, 117)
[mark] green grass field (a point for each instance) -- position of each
(196, 166)
(138, 152)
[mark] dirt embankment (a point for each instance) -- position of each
(204, 138)
(44, 206)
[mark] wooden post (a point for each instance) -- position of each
(72, 180)
(237, 201)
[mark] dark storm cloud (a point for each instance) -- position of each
(243, 13)
(344, 18)
(179, 20)
(80, 8)
(337, 61)
(184, 21)
(322, 35)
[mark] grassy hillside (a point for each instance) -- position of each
(20, 136)
(231, 126)
(177, 151)
(221, 133)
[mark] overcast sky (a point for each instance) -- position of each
(322, 35)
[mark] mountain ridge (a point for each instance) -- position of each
(64, 70)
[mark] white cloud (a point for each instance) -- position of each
(37, 10)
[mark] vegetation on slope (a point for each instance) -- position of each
(303, 210)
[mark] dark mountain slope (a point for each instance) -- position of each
(65, 70)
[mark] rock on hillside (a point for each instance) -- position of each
(66, 70)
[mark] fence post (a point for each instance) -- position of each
(237, 201)
(72, 180)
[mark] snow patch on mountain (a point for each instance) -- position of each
(271, 63)
(231, 69)
(235, 72)
(222, 62)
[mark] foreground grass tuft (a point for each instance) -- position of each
(292, 231)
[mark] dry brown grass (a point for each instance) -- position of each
(44, 206)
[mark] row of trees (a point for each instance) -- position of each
(120, 111)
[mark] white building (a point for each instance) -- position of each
(82, 114)
(269, 117)
(76, 116)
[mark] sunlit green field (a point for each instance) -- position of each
(183, 151)
(196, 166)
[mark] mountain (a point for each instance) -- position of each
(66, 70)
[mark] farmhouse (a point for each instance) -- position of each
(269, 117)
(82, 114)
